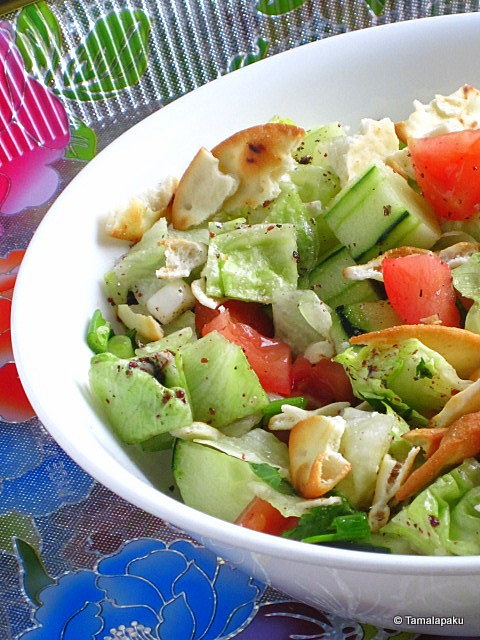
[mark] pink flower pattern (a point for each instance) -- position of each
(34, 132)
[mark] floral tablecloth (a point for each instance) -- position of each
(76, 561)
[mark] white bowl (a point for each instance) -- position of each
(375, 73)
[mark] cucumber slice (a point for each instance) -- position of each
(212, 481)
(330, 286)
(381, 211)
(363, 317)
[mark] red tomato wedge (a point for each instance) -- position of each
(270, 359)
(251, 313)
(323, 382)
(420, 286)
(259, 515)
(447, 168)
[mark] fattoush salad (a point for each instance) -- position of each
(300, 318)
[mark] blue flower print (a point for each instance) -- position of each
(36, 475)
(149, 591)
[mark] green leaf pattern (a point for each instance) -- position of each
(39, 40)
(114, 56)
(278, 7)
(242, 60)
(83, 141)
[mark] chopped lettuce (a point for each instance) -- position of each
(408, 376)
(289, 208)
(314, 146)
(216, 369)
(289, 505)
(315, 183)
(137, 406)
(300, 318)
(399, 448)
(466, 280)
(187, 319)
(444, 519)
(138, 264)
(250, 262)
(365, 441)
(257, 446)
(172, 343)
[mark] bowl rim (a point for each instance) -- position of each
(152, 500)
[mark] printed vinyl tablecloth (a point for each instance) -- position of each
(73, 76)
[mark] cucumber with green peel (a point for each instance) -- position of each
(212, 481)
(329, 284)
(338, 335)
(381, 211)
(364, 317)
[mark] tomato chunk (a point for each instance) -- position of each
(259, 515)
(322, 383)
(251, 313)
(420, 286)
(447, 168)
(270, 359)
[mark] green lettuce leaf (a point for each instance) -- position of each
(138, 264)
(215, 370)
(250, 262)
(137, 406)
(300, 318)
(257, 446)
(365, 441)
(444, 518)
(408, 376)
(171, 342)
(466, 278)
(288, 208)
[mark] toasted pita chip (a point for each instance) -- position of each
(389, 479)
(257, 157)
(316, 466)
(372, 270)
(130, 221)
(454, 256)
(201, 191)
(461, 441)
(199, 292)
(428, 439)
(290, 415)
(459, 253)
(459, 347)
(467, 401)
(181, 256)
(146, 326)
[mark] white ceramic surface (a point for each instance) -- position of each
(375, 73)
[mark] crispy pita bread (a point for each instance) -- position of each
(454, 256)
(467, 401)
(257, 157)
(201, 191)
(459, 347)
(129, 222)
(316, 466)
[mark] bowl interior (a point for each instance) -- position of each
(372, 73)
